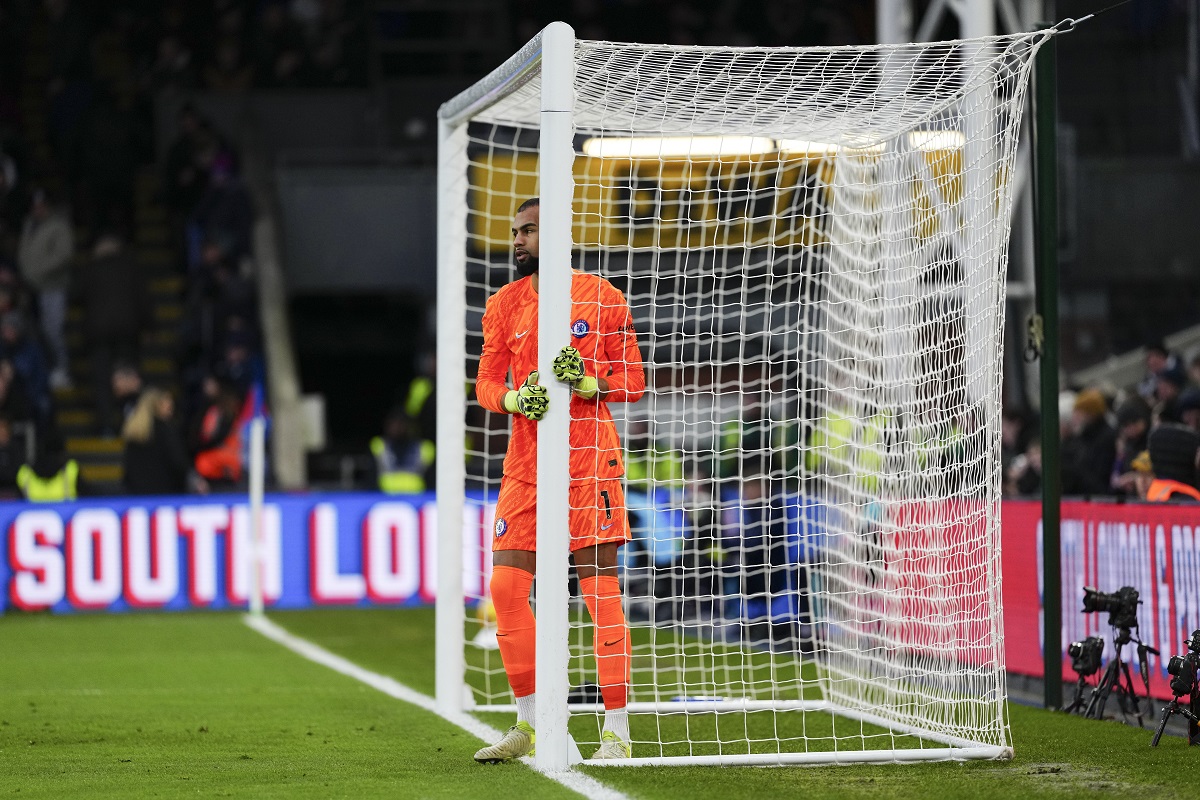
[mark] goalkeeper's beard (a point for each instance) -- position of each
(527, 267)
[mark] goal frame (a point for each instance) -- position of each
(553, 51)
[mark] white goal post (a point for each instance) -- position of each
(813, 244)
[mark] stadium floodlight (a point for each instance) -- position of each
(815, 575)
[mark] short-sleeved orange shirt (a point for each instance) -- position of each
(602, 331)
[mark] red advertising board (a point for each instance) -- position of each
(1155, 548)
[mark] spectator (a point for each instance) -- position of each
(173, 71)
(1158, 358)
(29, 364)
(52, 477)
(1133, 428)
(1024, 476)
(1173, 460)
(113, 293)
(1143, 474)
(12, 456)
(401, 457)
(1088, 453)
(755, 535)
(1012, 438)
(14, 400)
(220, 460)
(45, 252)
(225, 214)
(183, 179)
(126, 388)
(155, 460)
(1168, 387)
(1194, 370)
(229, 71)
(1189, 408)
(279, 48)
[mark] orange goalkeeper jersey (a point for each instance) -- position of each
(602, 331)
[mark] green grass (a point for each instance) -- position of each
(174, 705)
(1056, 756)
(168, 705)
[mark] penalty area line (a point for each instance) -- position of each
(577, 782)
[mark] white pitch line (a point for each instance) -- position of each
(577, 782)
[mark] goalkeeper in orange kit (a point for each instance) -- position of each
(603, 365)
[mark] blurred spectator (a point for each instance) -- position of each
(1012, 438)
(1088, 453)
(183, 180)
(52, 477)
(46, 250)
(224, 214)
(1173, 450)
(229, 71)
(28, 363)
(173, 71)
(402, 457)
(1168, 386)
(1133, 429)
(1024, 475)
(279, 48)
(14, 400)
(337, 46)
(12, 456)
(1142, 474)
(755, 538)
(126, 388)
(1158, 358)
(1194, 370)
(12, 210)
(220, 456)
(113, 293)
(1188, 407)
(155, 460)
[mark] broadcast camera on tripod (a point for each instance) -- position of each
(1184, 683)
(1122, 616)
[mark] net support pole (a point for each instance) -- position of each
(451, 417)
(556, 189)
(1045, 109)
(257, 483)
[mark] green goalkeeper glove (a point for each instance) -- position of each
(530, 400)
(568, 368)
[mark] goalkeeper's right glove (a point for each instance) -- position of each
(530, 400)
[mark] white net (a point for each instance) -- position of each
(813, 246)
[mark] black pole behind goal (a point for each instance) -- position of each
(1045, 137)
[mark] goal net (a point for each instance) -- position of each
(812, 242)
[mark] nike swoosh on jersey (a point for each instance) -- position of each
(522, 333)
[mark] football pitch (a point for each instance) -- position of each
(174, 705)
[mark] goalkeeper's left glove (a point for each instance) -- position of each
(568, 368)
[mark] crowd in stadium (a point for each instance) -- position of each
(96, 231)
(1119, 444)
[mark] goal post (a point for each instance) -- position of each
(812, 242)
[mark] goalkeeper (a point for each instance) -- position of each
(603, 365)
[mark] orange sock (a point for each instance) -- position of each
(610, 641)
(515, 627)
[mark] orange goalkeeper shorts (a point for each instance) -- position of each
(597, 515)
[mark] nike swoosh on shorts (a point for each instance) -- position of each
(522, 333)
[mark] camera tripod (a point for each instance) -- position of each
(1174, 707)
(1116, 671)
